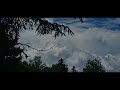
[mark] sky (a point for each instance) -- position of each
(96, 37)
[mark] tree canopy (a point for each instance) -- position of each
(73, 69)
(59, 67)
(94, 66)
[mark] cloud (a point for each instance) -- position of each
(50, 20)
(90, 41)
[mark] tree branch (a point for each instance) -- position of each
(35, 48)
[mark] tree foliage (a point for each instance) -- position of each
(37, 63)
(43, 27)
(59, 67)
(73, 69)
(10, 54)
(94, 66)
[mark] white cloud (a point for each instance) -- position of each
(49, 19)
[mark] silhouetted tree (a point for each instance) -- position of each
(46, 69)
(24, 67)
(94, 66)
(10, 54)
(37, 63)
(59, 67)
(73, 69)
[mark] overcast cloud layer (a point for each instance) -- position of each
(96, 37)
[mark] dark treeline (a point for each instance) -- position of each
(37, 65)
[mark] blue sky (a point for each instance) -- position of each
(109, 23)
(96, 37)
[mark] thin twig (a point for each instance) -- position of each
(35, 48)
